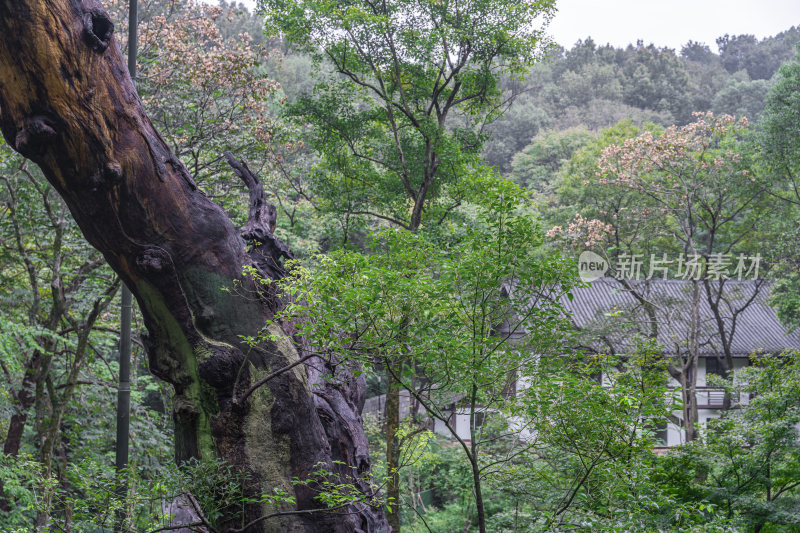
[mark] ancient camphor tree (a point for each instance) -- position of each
(68, 104)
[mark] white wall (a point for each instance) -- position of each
(675, 434)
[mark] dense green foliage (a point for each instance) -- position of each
(435, 165)
(596, 86)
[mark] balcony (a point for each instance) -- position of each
(714, 398)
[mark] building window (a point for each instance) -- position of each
(661, 434)
(713, 366)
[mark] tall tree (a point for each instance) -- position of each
(416, 83)
(759, 58)
(69, 105)
(399, 130)
(465, 342)
(656, 79)
(779, 147)
(690, 193)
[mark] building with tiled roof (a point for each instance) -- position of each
(610, 312)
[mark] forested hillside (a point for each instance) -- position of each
(383, 205)
(596, 86)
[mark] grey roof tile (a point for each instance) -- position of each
(601, 309)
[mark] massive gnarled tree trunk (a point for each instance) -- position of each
(68, 104)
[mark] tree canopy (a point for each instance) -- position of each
(352, 231)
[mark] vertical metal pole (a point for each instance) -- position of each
(133, 37)
(124, 391)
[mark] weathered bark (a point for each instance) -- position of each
(16, 425)
(24, 400)
(68, 104)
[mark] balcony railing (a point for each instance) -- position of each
(714, 398)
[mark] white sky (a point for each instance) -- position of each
(666, 22)
(670, 22)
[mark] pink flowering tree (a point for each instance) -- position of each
(694, 175)
(679, 203)
(206, 94)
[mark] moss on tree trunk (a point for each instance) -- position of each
(68, 104)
